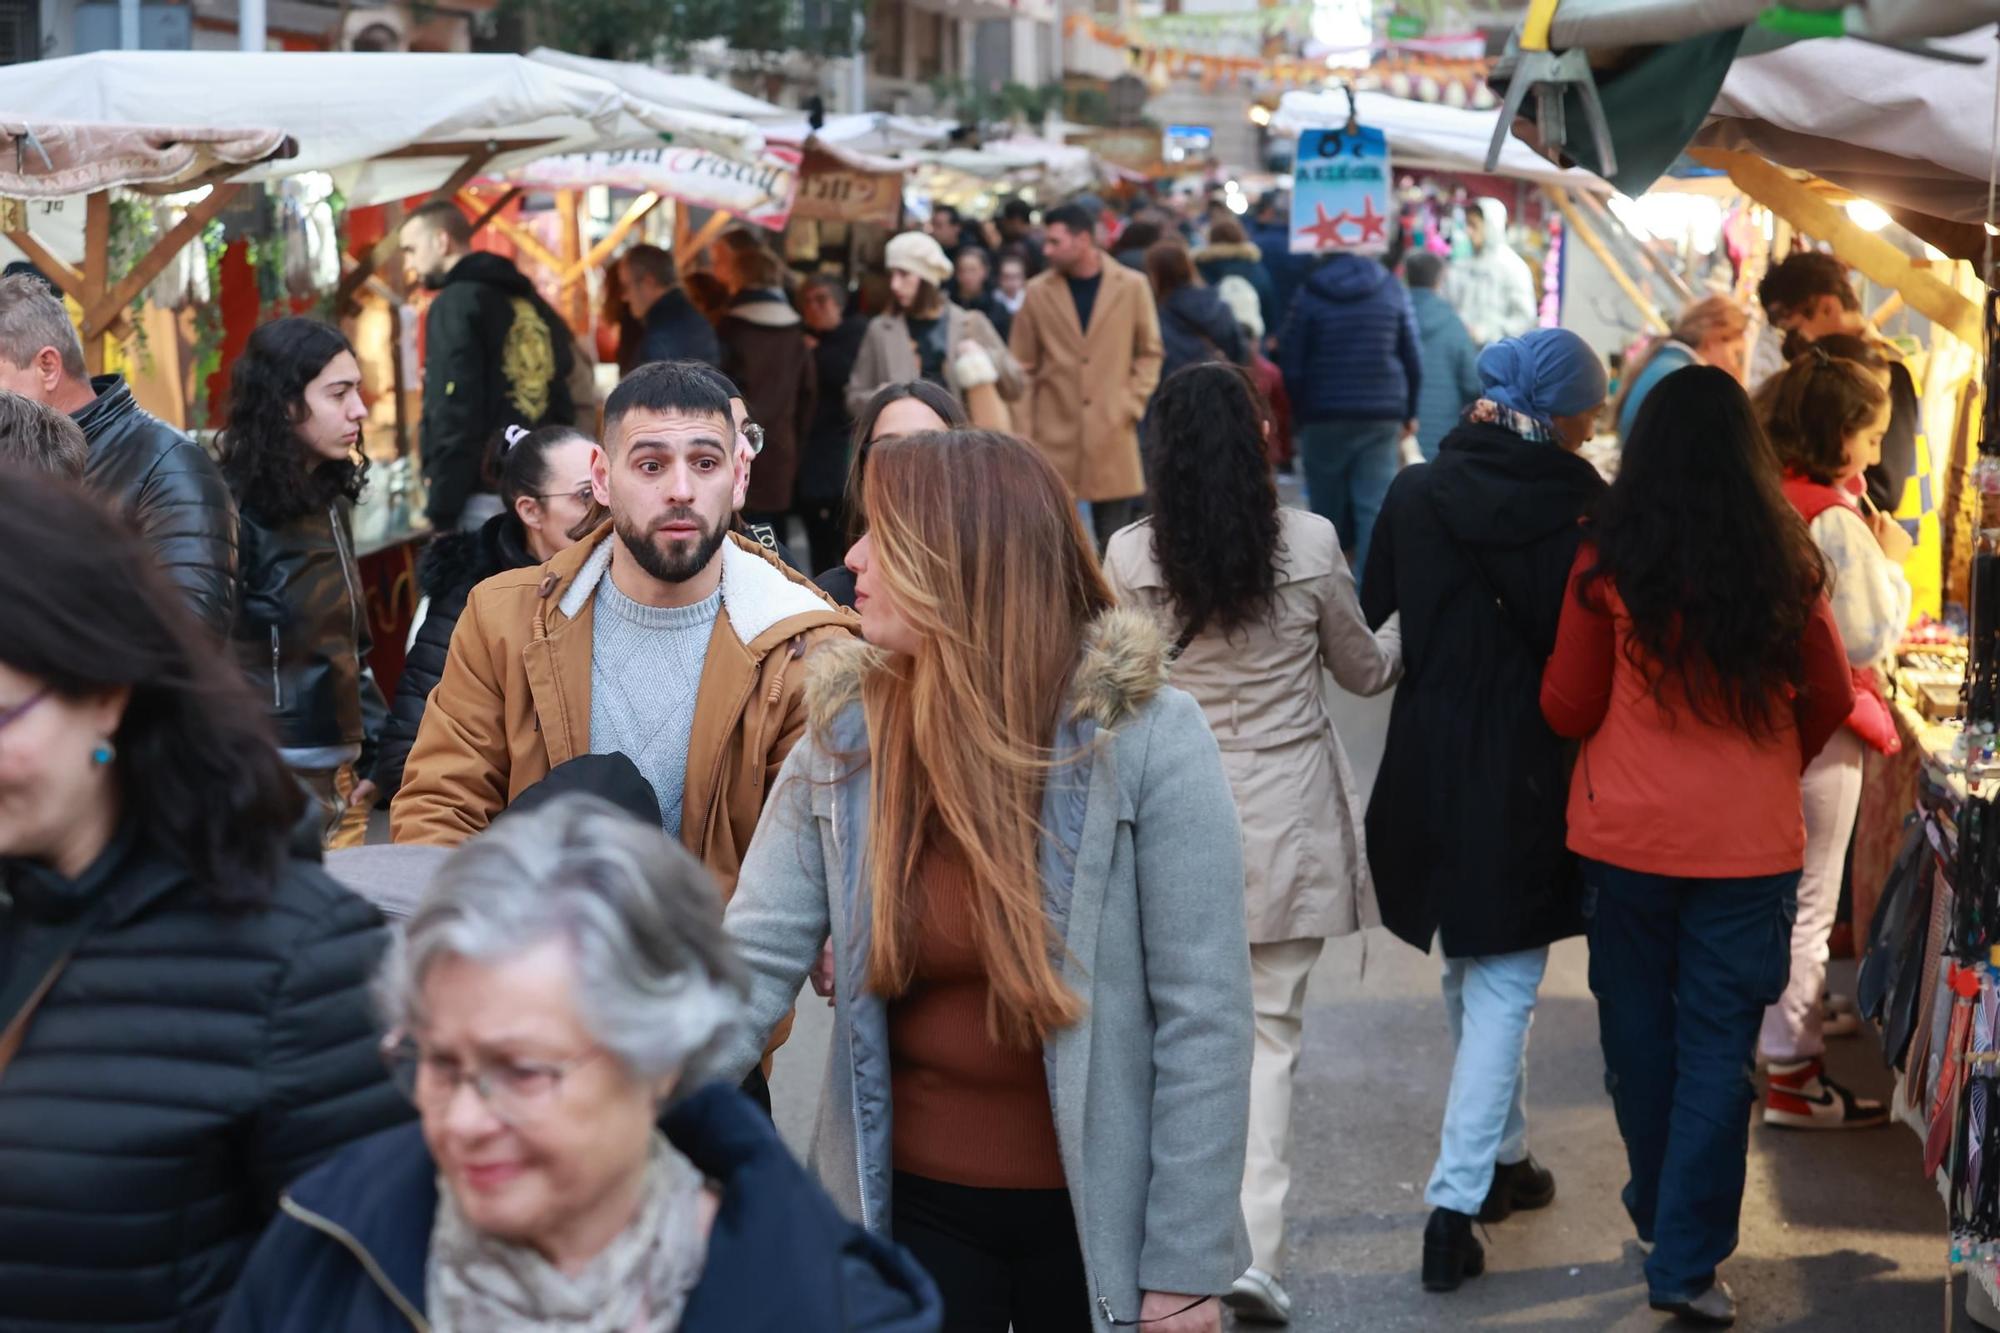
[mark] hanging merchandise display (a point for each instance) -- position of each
(1342, 191)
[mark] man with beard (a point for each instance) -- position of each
(495, 356)
(662, 636)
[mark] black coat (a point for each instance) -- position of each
(173, 493)
(1466, 826)
(302, 631)
(188, 1063)
(452, 564)
(676, 331)
(780, 1258)
(822, 475)
(495, 355)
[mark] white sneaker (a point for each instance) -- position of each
(1258, 1298)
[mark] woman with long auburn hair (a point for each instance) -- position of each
(1024, 849)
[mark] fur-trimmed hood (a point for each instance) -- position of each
(1124, 664)
(1216, 254)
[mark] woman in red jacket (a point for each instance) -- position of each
(1699, 665)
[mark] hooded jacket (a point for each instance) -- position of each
(171, 490)
(1451, 368)
(675, 331)
(1143, 882)
(1350, 350)
(349, 1252)
(494, 355)
(1195, 326)
(764, 350)
(452, 565)
(514, 700)
(1493, 288)
(1465, 827)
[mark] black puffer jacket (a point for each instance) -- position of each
(302, 631)
(172, 491)
(188, 1063)
(452, 564)
(494, 355)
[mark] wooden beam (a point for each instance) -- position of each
(1647, 255)
(96, 268)
(1595, 244)
(528, 244)
(99, 315)
(62, 275)
(1873, 256)
(573, 301)
(475, 161)
(1886, 309)
(717, 223)
(637, 213)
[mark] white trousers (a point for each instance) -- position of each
(1278, 974)
(1831, 791)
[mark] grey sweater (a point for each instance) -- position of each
(645, 675)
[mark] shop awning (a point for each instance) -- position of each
(682, 92)
(1430, 136)
(876, 132)
(386, 126)
(42, 159)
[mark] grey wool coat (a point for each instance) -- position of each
(1143, 877)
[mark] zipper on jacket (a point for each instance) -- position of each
(350, 578)
(328, 1227)
(277, 680)
(853, 1084)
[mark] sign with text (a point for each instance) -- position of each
(759, 191)
(830, 190)
(1342, 195)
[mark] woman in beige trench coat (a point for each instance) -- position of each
(1261, 600)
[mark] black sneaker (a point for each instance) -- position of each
(1451, 1252)
(1518, 1187)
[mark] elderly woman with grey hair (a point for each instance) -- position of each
(564, 978)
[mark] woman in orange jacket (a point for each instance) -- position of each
(1699, 665)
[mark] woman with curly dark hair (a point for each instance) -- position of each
(291, 454)
(1260, 601)
(184, 1014)
(1699, 665)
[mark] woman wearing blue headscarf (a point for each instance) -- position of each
(1465, 829)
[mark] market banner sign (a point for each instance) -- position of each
(1341, 192)
(831, 190)
(759, 191)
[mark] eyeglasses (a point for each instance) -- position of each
(518, 1092)
(754, 433)
(9, 716)
(583, 495)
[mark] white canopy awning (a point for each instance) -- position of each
(1898, 128)
(682, 92)
(1430, 135)
(386, 126)
(873, 132)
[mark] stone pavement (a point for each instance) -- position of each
(1839, 1233)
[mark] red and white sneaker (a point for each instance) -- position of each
(1801, 1096)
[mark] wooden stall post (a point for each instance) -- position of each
(574, 296)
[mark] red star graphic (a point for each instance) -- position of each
(1325, 230)
(1374, 226)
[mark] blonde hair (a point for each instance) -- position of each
(979, 546)
(1710, 317)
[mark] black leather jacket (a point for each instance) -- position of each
(302, 632)
(172, 491)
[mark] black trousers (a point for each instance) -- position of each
(1001, 1258)
(1107, 516)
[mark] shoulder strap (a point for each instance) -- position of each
(17, 1027)
(1479, 571)
(30, 984)
(1180, 645)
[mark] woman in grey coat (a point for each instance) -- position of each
(1024, 849)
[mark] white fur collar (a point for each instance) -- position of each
(755, 594)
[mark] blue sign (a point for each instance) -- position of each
(1342, 193)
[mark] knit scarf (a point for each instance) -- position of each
(639, 1284)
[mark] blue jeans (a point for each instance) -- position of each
(1348, 467)
(1683, 970)
(1489, 1003)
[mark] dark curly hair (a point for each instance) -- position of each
(1215, 504)
(264, 461)
(1811, 406)
(1713, 564)
(197, 767)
